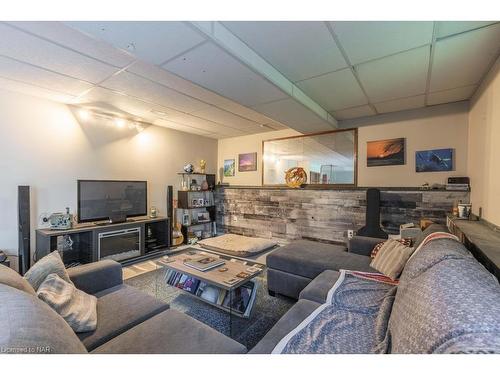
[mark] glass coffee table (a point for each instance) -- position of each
(229, 283)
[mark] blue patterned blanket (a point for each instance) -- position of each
(353, 320)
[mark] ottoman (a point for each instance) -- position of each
(292, 267)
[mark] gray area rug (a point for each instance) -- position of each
(266, 312)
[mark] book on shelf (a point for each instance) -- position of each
(239, 298)
(204, 263)
(191, 284)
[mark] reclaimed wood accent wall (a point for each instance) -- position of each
(323, 215)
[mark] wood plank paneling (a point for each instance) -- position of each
(323, 215)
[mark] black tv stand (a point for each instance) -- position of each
(80, 244)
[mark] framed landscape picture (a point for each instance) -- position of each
(229, 167)
(247, 162)
(385, 152)
(440, 160)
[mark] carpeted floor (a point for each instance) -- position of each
(266, 312)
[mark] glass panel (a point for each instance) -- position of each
(327, 158)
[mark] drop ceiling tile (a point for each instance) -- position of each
(29, 74)
(463, 59)
(208, 126)
(334, 90)
(401, 104)
(155, 42)
(453, 95)
(229, 119)
(70, 38)
(24, 88)
(446, 28)
(182, 85)
(214, 69)
(368, 40)
(22, 46)
(292, 114)
(180, 127)
(134, 85)
(355, 112)
(299, 50)
(395, 76)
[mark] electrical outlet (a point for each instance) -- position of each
(350, 233)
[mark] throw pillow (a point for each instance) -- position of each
(50, 263)
(391, 258)
(404, 241)
(76, 307)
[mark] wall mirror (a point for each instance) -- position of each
(328, 158)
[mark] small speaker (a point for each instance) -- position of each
(170, 212)
(24, 230)
(210, 181)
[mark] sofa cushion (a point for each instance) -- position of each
(309, 259)
(171, 332)
(391, 258)
(28, 325)
(119, 309)
(318, 289)
(77, 308)
(11, 278)
(293, 317)
(51, 263)
(446, 302)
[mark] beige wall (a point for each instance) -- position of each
(432, 129)
(42, 145)
(229, 148)
(436, 127)
(484, 147)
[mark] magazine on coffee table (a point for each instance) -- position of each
(204, 263)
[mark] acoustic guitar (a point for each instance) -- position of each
(177, 236)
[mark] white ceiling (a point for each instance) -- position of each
(383, 66)
(173, 75)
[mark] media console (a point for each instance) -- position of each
(137, 239)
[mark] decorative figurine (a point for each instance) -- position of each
(153, 212)
(203, 165)
(188, 168)
(295, 177)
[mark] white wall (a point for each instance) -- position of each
(484, 147)
(42, 145)
(444, 126)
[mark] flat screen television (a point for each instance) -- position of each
(105, 199)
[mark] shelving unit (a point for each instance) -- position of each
(196, 208)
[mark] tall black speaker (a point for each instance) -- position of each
(170, 212)
(24, 231)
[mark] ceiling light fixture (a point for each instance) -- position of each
(84, 115)
(120, 123)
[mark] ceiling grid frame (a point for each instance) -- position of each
(254, 60)
(353, 69)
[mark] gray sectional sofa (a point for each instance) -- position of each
(446, 301)
(129, 321)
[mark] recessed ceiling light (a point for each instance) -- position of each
(84, 115)
(119, 122)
